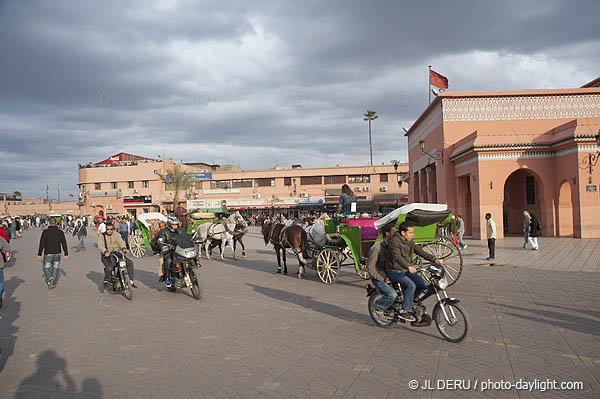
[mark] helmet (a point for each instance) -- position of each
(172, 223)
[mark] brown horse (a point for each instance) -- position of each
(282, 237)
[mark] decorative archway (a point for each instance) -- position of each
(523, 190)
(565, 210)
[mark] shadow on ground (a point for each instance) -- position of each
(49, 378)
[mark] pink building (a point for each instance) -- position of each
(508, 151)
(133, 186)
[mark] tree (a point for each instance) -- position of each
(176, 179)
(370, 116)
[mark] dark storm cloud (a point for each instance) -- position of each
(257, 83)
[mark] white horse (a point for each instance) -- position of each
(219, 231)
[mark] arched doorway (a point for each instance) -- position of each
(522, 191)
(565, 210)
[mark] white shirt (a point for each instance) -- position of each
(102, 228)
(491, 228)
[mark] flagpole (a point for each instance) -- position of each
(429, 80)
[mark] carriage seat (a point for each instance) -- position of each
(368, 232)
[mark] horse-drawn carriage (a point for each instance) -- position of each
(196, 218)
(147, 226)
(331, 245)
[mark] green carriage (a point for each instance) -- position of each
(348, 242)
(147, 226)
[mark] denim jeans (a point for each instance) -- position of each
(125, 238)
(51, 263)
(1, 282)
(526, 237)
(81, 244)
(412, 284)
(460, 240)
(389, 295)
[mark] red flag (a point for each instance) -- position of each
(437, 80)
(71, 195)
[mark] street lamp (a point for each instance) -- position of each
(592, 159)
(395, 162)
(436, 156)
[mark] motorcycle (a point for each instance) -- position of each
(184, 259)
(450, 318)
(120, 277)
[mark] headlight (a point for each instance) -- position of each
(442, 283)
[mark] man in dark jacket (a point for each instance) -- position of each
(164, 237)
(379, 257)
(402, 271)
(51, 242)
(81, 232)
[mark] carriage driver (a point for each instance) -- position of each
(109, 242)
(379, 256)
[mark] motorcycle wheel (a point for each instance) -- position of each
(194, 286)
(456, 327)
(381, 322)
(127, 285)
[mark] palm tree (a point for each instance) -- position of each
(370, 116)
(176, 179)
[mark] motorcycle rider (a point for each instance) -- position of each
(109, 242)
(401, 270)
(379, 256)
(166, 236)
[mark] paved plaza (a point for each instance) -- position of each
(255, 334)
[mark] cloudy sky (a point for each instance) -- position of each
(258, 83)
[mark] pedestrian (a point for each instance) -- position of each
(5, 232)
(461, 232)
(4, 257)
(101, 227)
(491, 236)
(534, 231)
(526, 227)
(81, 232)
(123, 230)
(51, 241)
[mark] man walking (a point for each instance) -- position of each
(461, 232)
(51, 242)
(81, 233)
(526, 227)
(123, 230)
(491, 236)
(4, 257)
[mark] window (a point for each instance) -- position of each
(383, 178)
(530, 188)
(129, 184)
(241, 183)
(311, 180)
(113, 185)
(220, 184)
(145, 183)
(98, 186)
(334, 179)
(265, 182)
(359, 179)
(287, 181)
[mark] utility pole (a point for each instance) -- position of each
(59, 193)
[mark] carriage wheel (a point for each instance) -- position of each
(363, 272)
(446, 250)
(137, 246)
(328, 265)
